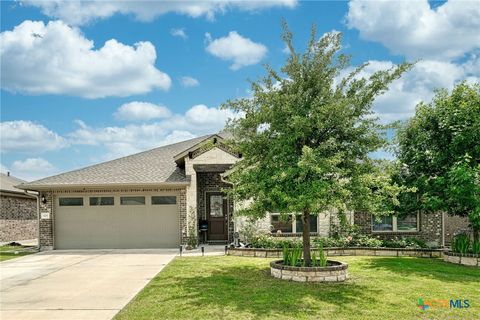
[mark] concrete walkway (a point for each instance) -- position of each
(88, 284)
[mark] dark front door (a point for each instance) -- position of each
(216, 216)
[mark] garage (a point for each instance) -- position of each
(123, 221)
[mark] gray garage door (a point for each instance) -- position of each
(117, 221)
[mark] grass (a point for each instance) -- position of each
(10, 252)
(241, 288)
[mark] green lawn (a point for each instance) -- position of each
(241, 288)
(10, 252)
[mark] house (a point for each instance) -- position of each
(18, 211)
(163, 197)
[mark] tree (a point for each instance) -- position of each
(439, 150)
(306, 136)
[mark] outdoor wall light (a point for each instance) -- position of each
(44, 200)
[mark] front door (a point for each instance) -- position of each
(217, 216)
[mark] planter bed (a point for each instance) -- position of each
(335, 271)
(358, 251)
(466, 259)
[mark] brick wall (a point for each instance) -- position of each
(430, 228)
(453, 226)
(212, 182)
(18, 218)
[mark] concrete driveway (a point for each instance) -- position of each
(93, 284)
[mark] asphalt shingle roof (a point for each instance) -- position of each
(154, 166)
(8, 183)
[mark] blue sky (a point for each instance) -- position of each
(85, 82)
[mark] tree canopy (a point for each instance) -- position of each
(307, 134)
(439, 153)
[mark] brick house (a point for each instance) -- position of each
(18, 211)
(157, 198)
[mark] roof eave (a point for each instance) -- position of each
(103, 186)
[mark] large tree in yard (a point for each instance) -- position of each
(439, 151)
(306, 136)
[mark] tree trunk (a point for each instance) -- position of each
(306, 237)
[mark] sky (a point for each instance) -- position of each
(86, 82)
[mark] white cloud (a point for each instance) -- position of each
(57, 59)
(417, 85)
(415, 29)
(118, 141)
(82, 12)
(137, 111)
(188, 81)
(242, 51)
(32, 169)
(179, 32)
(28, 137)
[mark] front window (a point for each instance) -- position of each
(408, 223)
(383, 224)
(291, 223)
(313, 224)
(282, 224)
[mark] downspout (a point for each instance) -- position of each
(37, 196)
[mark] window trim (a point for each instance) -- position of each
(395, 226)
(294, 223)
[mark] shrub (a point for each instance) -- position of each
(412, 243)
(249, 231)
(268, 242)
(366, 241)
(476, 247)
(461, 243)
(321, 261)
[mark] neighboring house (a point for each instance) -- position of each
(18, 211)
(156, 198)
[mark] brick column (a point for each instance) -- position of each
(45, 240)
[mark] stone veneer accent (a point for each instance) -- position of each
(46, 235)
(430, 228)
(335, 271)
(18, 218)
(472, 260)
(360, 251)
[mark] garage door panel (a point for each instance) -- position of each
(118, 226)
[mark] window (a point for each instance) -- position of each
(164, 200)
(313, 224)
(64, 202)
(280, 224)
(382, 224)
(101, 201)
(216, 206)
(407, 223)
(132, 200)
